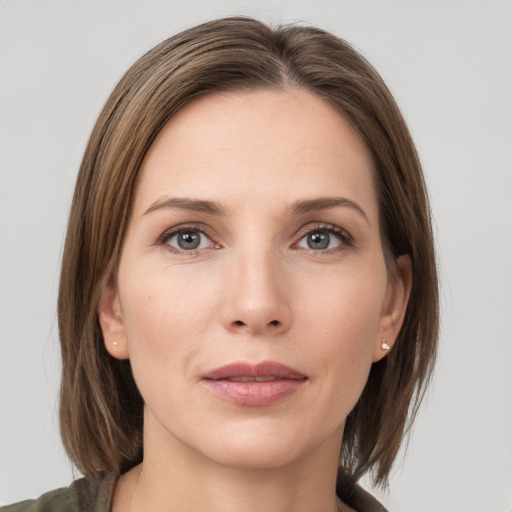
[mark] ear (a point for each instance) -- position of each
(112, 323)
(395, 306)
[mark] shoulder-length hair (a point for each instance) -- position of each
(101, 410)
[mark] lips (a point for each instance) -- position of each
(257, 385)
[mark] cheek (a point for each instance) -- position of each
(342, 321)
(166, 315)
(346, 306)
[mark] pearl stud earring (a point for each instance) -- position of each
(384, 345)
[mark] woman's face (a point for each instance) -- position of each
(252, 294)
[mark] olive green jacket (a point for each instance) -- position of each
(84, 496)
(80, 496)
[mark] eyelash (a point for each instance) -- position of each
(169, 234)
(345, 237)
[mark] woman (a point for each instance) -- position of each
(248, 298)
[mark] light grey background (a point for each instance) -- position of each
(449, 63)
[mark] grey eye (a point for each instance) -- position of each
(320, 240)
(189, 240)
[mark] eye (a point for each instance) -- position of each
(325, 238)
(187, 239)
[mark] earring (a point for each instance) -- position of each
(114, 343)
(384, 345)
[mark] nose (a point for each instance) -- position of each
(257, 296)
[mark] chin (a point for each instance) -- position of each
(261, 456)
(269, 448)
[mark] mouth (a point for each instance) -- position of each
(257, 385)
(251, 379)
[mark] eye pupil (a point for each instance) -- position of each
(188, 240)
(318, 240)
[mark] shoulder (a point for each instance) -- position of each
(81, 496)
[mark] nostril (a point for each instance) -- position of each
(274, 323)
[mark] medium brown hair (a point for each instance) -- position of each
(101, 410)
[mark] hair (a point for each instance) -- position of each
(101, 410)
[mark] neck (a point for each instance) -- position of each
(178, 478)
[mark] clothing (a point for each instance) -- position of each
(84, 496)
(355, 496)
(80, 496)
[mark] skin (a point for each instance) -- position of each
(254, 291)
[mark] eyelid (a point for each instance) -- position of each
(347, 240)
(201, 228)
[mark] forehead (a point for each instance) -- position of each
(283, 143)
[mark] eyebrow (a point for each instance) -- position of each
(299, 207)
(184, 203)
(324, 203)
